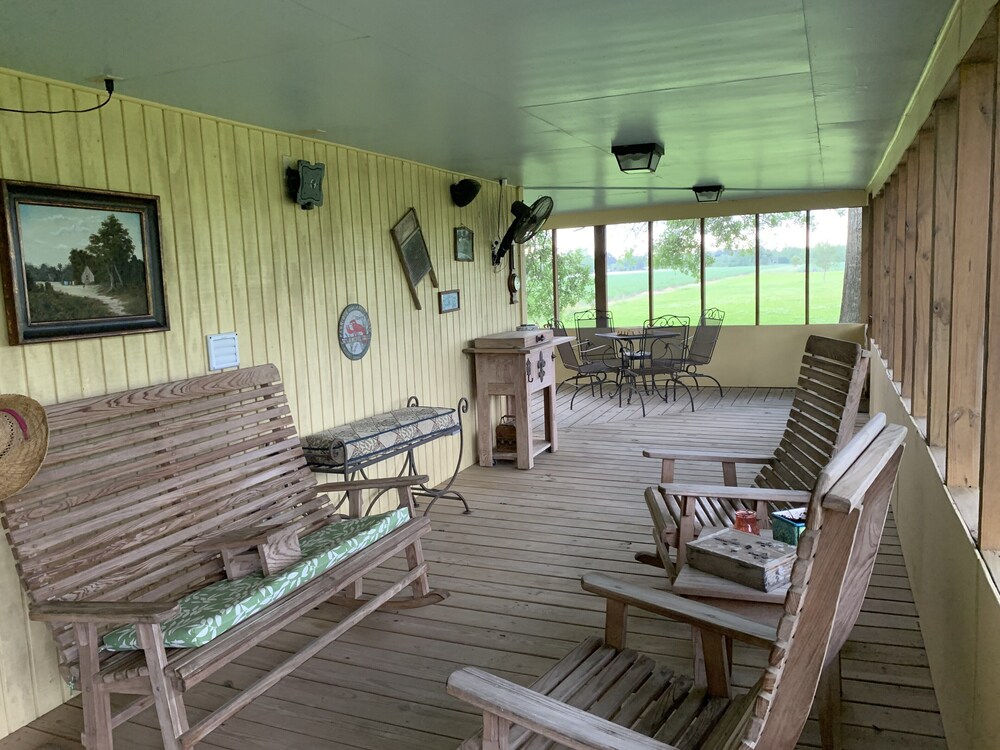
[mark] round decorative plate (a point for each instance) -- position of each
(354, 331)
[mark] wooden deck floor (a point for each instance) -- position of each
(512, 568)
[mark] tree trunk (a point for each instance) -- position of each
(850, 301)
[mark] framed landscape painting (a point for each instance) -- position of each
(79, 263)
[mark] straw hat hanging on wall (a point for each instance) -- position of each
(24, 439)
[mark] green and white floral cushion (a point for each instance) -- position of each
(213, 610)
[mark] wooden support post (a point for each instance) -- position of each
(685, 529)
(601, 273)
(909, 272)
(667, 471)
(889, 266)
(989, 496)
(828, 699)
(496, 732)
(899, 345)
(877, 299)
(616, 623)
(169, 704)
(945, 165)
(415, 559)
(96, 702)
(714, 658)
(972, 238)
(865, 308)
(922, 273)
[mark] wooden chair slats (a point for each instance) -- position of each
(86, 411)
(168, 434)
(820, 422)
(147, 507)
(129, 486)
(834, 562)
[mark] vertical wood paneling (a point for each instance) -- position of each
(922, 273)
(910, 262)
(238, 255)
(945, 166)
(972, 237)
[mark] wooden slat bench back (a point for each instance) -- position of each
(824, 409)
(137, 505)
(133, 480)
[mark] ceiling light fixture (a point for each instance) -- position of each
(639, 157)
(708, 193)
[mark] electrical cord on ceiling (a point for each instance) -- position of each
(109, 86)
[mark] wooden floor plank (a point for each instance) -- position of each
(513, 567)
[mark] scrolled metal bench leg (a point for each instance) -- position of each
(446, 491)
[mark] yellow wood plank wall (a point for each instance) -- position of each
(239, 256)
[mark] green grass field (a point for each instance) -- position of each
(782, 295)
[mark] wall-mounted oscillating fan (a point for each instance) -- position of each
(527, 221)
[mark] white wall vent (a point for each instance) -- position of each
(223, 351)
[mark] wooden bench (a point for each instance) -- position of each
(147, 499)
(351, 448)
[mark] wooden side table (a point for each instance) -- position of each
(516, 365)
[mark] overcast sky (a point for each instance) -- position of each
(48, 233)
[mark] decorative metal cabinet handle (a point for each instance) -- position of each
(527, 370)
(541, 365)
(540, 337)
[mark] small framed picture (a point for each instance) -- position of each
(448, 301)
(463, 243)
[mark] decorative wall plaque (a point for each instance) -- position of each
(354, 331)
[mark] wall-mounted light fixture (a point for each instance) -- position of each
(464, 192)
(304, 182)
(708, 193)
(639, 157)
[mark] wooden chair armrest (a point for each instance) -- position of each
(374, 484)
(566, 725)
(735, 457)
(244, 538)
(750, 494)
(682, 610)
(105, 613)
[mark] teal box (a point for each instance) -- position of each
(787, 525)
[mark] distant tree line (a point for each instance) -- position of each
(110, 256)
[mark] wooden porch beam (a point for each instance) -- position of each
(867, 235)
(942, 252)
(899, 344)
(909, 269)
(976, 101)
(922, 272)
(889, 266)
(877, 299)
(989, 495)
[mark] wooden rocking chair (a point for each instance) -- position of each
(830, 384)
(603, 695)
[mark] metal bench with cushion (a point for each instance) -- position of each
(351, 448)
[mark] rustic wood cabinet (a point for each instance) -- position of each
(515, 365)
